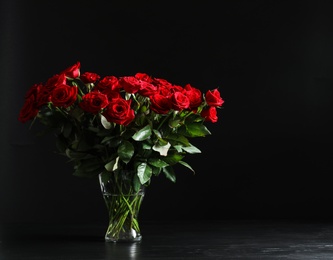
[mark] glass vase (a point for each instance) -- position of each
(123, 203)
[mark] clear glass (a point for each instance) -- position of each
(123, 204)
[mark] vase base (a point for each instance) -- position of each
(124, 237)
(123, 240)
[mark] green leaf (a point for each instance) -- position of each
(157, 162)
(105, 176)
(169, 173)
(178, 138)
(144, 150)
(178, 148)
(191, 149)
(127, 133)
(105, 123)
(136, 183)
(173, 159)
(142, 134)
(186, 165)
(174, 122)
(81, 144)
(197, 130)
(146, 146)
(112, 165)
(163, 150)
(61, 143)
(125, 151)
(162, 142)
(103, 132)
(157, 133)
(144, 172)
(67, 129)
(88, 168)
(156, 170)
(77, 155)
(112, 141)
(77, 113)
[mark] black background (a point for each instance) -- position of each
(270, 153)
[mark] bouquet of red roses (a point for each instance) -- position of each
(110, 123)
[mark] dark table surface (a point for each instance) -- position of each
(236, 239)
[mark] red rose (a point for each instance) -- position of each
(112, 95)
(44, 92)
(176, 88)
(143, 77)
(43, 96)
(162, 82)
(73, 71)
(29, 109)
(210, 114)
(64, 95)
(33, 91)
(40, 93)
(56, 80)
(213, 98)
(94, 102)
(194, 95)
(160, 104)
(164, 90)
(107, 84)
(130, 84)
(179, 101)
(147, 89)
(89, 77)
(119, 111)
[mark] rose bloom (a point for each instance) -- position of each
(43, 96)
(147, 89)
(89, 77)
(29, 109)
(94, 102)
(130, 84)
(213, 98)
(176, 88)
(179, 101)
(112, 95)
(33, 91)
(160, 104)
(210, 114)
(194, 95)
(55, 80)
(164, 90)
(119, 111)
(161, 82)
(64, 95)
(107, 84)
(144, 77)
(73, 71)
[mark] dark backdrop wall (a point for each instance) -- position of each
(270, 153)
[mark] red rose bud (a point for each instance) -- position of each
(213, 98)
(210, 114)
(89, 77)
(73, 71)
